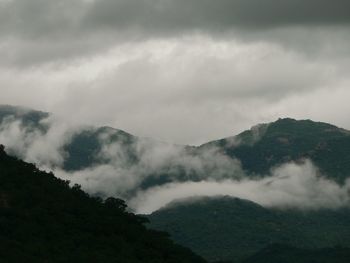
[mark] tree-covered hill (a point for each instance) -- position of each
(226, 228)
(277, 253)
(43, 219)
(267, 145)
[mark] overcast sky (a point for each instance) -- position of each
(185, 71)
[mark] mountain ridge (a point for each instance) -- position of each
(43, 219)
(252, 153)
(256, 151)
(242, 228)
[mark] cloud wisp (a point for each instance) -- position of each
(290, 186)
(41, 144)
(119, 167)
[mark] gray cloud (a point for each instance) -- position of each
(54, 18)
(123, 168)
(183, 15)
(297, 186)
(213, 68)
(43, 147)
(209, 87)
(39, 31)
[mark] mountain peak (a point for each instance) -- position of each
(306, 123)
(282, 127)
(288, 140)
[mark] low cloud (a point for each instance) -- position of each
(149, 174)
(143, 163)
(41, 144)
(123, 165)
(297, 186)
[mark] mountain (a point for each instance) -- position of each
(268, 145)
(231, 229)
(33, 203)
(258, 150)
(281, 253)
(81, 148)
(43, 219)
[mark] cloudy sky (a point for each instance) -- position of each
(185, 71)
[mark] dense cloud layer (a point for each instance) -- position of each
(210, 88)
(290, 186)
(165, 16)
(211, 67)
(40, 31)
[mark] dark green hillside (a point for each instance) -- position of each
(225, 228)
(288, 254)
(42, 219)
(268, 145)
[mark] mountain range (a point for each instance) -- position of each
(219, 228)
(258, 149)
(43, 219)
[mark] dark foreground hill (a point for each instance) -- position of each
(42, 219)
(226, 228)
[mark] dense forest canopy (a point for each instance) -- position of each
(43, 219)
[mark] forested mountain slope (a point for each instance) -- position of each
(286, 254)
(43, 219)
(267, 145)
(226, 228)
